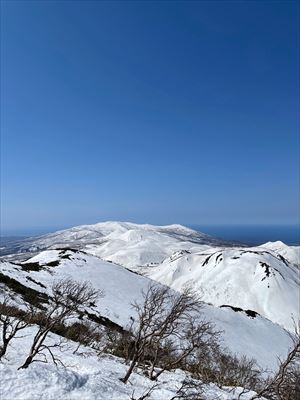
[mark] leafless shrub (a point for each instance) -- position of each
(190, 389)
(164, 333)
(180, 348)
(85, 334)
(216, 365)
(12, 321)
(146, 394)
(68, 298)
(119, 344)
(285, 383)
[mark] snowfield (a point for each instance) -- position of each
(249, 278)
(290, 253)
(86, 377)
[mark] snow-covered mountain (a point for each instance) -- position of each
(290, 253)
(244, 333)
(125, 243)
(250, 278)
(264, 279)
(251, 295)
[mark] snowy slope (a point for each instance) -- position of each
(243, 334)
(251, 278)
(120, 286)
(85, 377)
(291, 253)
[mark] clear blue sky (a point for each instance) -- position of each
(149, 111)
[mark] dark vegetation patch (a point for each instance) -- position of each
(69, 249)
(257, 252)
(284, 260)
(29, 295)
(35, 266)
(265, 252)
(249, 313)
(66, 257)
(76, 332)
(236, 309)
(133, 272)
(253, 252)
(219, 258)
(31, 266)
(267, 269)
(104, 321)
(52, 263)
(208, 258)
(34, 281)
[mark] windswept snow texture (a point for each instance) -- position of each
(243, 334)
(86, 377)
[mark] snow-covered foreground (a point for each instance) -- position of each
(85, 377)
(242, 334)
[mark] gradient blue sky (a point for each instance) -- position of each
(147, 111)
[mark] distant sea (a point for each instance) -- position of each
(253, 234)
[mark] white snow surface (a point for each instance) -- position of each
(86, 377)
(291, 253)
(152, 250)
(125, 243)
(257, 279)
(242, 334)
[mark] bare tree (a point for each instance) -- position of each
(192, 335)
(146, 394)
(285, 384)
(190, 389)
(164, 332)
(68, 298)
(12, 321)
(215, 364)
(86, 334)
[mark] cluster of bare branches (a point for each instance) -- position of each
(12, 321)
(216, 364)
(166, 334)
(189, 389)
(166, 331)
(285, 383)
(67, 300)
(86, 334)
